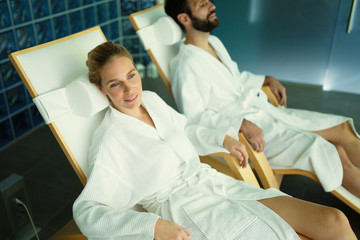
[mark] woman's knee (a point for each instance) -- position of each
(336, 220)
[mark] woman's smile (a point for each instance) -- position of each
(131, 99)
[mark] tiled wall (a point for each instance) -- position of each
(26, 23)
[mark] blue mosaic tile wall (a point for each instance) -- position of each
(26, 23)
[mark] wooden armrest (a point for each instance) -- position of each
(69, 232)
(244, 174)
(73, 237)
(271, 96)
(261, 165)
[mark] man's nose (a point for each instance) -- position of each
(211, 6)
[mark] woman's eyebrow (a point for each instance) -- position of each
(114, 80)
(111, 81)
(133, 69)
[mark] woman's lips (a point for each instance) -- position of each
(131, 99)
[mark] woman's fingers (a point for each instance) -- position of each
(242, 156)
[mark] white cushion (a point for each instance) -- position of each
(164, 31)
(84, 98)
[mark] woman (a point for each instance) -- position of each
(140, 154)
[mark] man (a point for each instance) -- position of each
(209, 89)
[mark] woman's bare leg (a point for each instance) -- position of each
(311, 220)
(302, 237)
(342, 135)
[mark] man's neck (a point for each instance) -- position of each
(201, 40)
(197, 38)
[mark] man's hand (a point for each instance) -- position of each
(237, 149)
(165, 230)
(277, 88)
(254, 135)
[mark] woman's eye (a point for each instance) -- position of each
(132, 75)
(114, 85)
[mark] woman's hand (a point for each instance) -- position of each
(237, 149)
(165, 230)
(277, 88)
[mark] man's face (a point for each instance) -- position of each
(202, 14)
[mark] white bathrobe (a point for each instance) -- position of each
(217, 96)
(133, 163)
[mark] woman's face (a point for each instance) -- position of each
(122, 84)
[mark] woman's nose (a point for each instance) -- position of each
(126, 87)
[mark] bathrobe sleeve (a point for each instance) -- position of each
(103, 209)
(212, 94)
(192, 96)
(206, 128)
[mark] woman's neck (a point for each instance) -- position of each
(141, 114)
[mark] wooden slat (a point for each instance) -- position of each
(271, 96)
(219, 166)
(261, 165)
(70, 156)
(245, 174)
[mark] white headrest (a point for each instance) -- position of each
(164, 31)
(84, 98)
(167, 31)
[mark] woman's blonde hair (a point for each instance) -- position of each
(101, 55)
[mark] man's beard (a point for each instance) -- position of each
(204, 25)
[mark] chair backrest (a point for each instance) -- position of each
(160, 36)
(48, 71)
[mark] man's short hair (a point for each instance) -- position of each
(174, 7)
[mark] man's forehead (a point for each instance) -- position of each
(195, 3)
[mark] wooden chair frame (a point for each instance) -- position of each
(34, 93)
(269, 178)
(70, 231)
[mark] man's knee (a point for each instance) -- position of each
(345, 126)
(343, 157)
(340, 150)
(345, 130)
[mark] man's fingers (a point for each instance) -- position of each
(261, 146)
(255, 146)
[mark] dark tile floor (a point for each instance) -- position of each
(52, 185)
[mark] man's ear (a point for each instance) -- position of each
(100, 88)
(184, 19)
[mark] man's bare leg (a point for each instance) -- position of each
(342, 135)
(351, 174)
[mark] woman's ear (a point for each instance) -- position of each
(100, 88)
